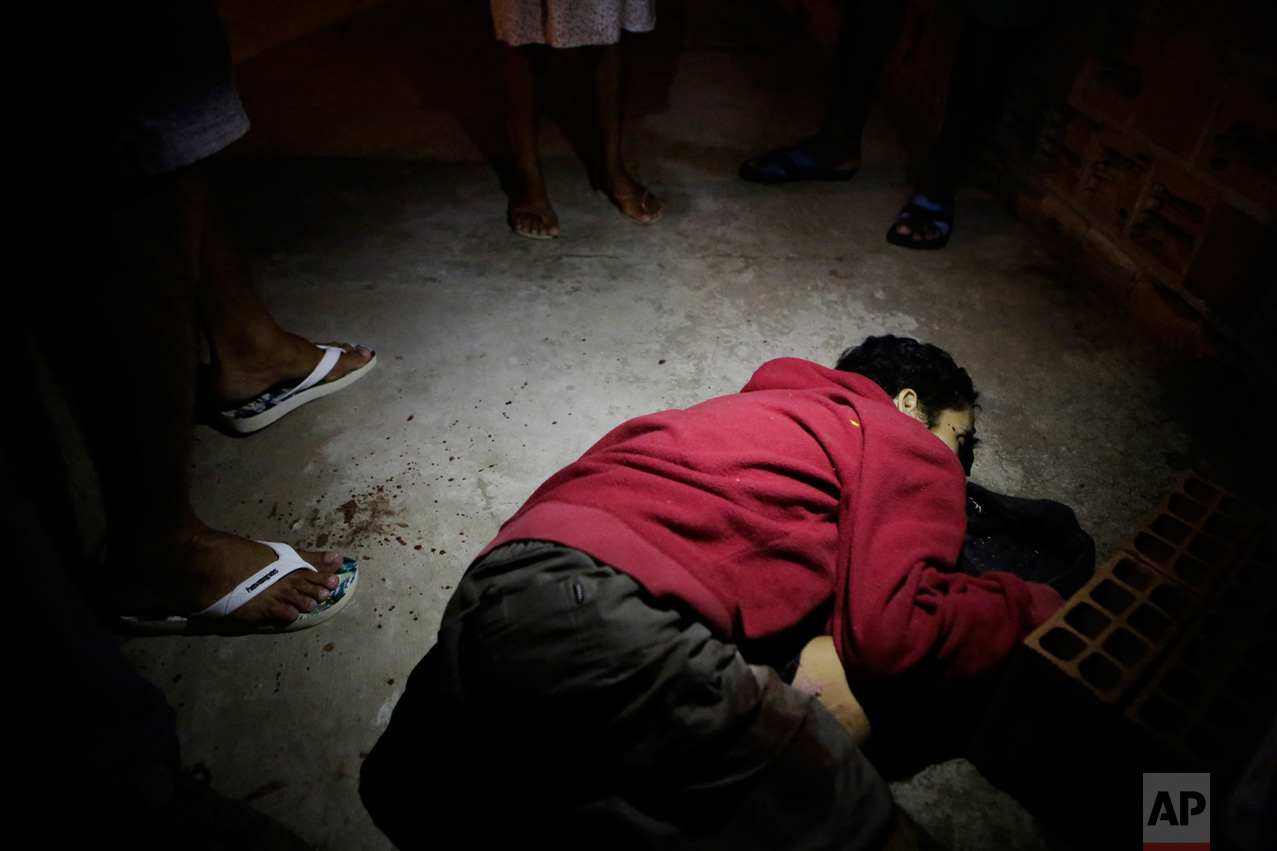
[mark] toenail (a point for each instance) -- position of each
(324, 593)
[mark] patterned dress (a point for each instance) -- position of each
(570, 23)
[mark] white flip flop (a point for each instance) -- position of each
(213, 620)
(274, 403)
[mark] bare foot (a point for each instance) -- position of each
(289, 360)
(629, 196)
(922, 223)
(535, 221)
(207, 564)
(530, 213)
(929, 231)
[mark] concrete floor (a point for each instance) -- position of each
(502, 359)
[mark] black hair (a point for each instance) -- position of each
(894, 363)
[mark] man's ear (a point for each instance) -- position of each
(907, 403)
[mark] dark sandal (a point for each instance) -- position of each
(786, 165)
(919, 218)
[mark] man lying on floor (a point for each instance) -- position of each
(587, 690)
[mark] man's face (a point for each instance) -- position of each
(955, 428)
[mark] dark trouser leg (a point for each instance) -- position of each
(869, 32)
(101, 741)
(132, 295)
(412, 781)
(979, 83)
(560, 696)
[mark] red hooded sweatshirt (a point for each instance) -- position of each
(808, 486)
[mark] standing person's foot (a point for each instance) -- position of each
(183, 580)
(250, 392)
(534, 221)
(629, 196)
(922, 223)
(812, 159)
(288, 358)
(529, 213)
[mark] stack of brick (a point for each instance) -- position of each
(1157, 174)
(1162, 662)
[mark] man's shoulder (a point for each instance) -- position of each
(796, 374)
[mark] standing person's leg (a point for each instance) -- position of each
(102, 767)
(133, 295)
(630, 197)
(249, 353)
(979, 82)
(868, 34)
(529, 213)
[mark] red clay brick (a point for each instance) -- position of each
(1179, 95)
(1140, 672)
(1111, 630)
(1171, 218)
(1240, 146)
(1194, 542)
(1113, 180)
(1076, 136)
(1110, 85)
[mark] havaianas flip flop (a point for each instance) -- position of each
(212, 621)
(786, 165)
(279, 400)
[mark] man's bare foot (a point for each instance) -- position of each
(928, 232)
(629, 196)
(206, 564)
(923, 223)
(289, 359)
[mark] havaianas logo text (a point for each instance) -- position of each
(254, 586)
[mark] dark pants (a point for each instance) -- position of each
(563, 704)
(101, 746)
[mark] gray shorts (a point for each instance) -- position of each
(154, 93)
(563, 704)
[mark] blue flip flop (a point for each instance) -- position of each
(786, 165)
(918, 214)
